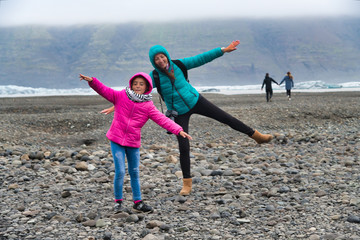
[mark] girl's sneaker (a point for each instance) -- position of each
(142, 207)
(118, 208)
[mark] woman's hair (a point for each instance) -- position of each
(170, 73)
(289, 74)
(146, 82)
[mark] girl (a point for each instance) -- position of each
(133, 107)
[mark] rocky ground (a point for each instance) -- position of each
(56, 172)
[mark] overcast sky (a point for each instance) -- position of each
(65, 12)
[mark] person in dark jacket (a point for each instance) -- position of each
(268, 88)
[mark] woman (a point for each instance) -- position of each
(289, 83)
(183, 98)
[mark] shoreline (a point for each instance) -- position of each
(226, 90)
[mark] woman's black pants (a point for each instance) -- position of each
(205, 108)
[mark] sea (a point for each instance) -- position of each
(10, 91)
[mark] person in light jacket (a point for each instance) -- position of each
(289, 84)
(133, 108)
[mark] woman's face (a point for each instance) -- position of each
(161, 60)
(138, 85)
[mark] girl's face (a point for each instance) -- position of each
(161, 60)
(138, 85)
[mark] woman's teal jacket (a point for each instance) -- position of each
(182, 96)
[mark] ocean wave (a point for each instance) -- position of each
(20, 91)
(309, 86)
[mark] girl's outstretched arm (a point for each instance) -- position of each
(86, 78)
(106, 92)
(185, 135)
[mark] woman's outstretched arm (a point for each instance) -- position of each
(108, 110)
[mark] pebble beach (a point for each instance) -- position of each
(56, 171)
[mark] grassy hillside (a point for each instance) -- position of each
(313, 49)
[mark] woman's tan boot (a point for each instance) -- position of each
(261, 138)
(187, 185)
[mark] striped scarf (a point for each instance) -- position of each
(133, 96)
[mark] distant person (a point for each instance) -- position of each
(133, 108)
(268, 88)
(182, 100)
(289, 84)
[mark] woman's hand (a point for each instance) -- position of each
(232, 46)
(108, 110)
(185, 135)
(86, 78)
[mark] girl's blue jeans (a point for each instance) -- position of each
(133, 159)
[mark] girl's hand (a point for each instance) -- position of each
(185, 135)
(108, 110)
(86, 78)
(232, 46)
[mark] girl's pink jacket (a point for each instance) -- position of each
(129, 116)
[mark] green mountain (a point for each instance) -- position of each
(325, 49)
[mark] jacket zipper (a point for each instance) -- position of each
(182, 98)
(128, 123)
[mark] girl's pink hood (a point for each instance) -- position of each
(147, 77)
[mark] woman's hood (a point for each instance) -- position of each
(155, 50)
(148, 79)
